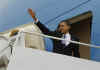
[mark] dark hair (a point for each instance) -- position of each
(67, 22)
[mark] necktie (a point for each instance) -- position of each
(64, 37)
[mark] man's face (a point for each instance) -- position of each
(64, 28)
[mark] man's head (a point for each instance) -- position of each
(14, 32)
(64, 26)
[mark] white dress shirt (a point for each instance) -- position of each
(67, 38)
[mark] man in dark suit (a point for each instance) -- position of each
(61, 47)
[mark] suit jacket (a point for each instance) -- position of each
(58, 47)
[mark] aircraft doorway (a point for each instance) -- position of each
(82, 29)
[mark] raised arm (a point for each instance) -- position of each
(42, 27)
(32, 14)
